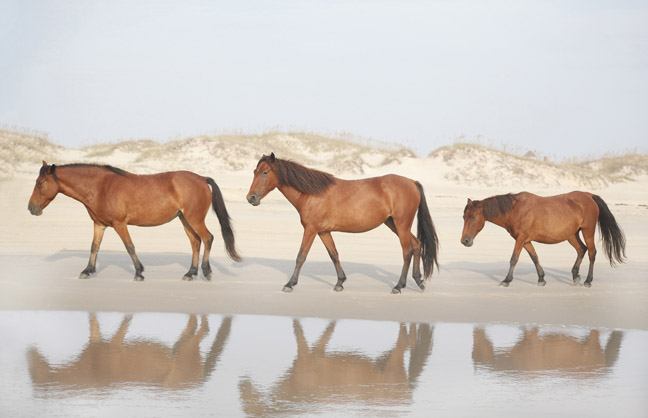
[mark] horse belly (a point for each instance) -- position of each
(355, 219)
(152, 212)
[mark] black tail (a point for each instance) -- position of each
(427, 235)
(223, 217)
(613, 238)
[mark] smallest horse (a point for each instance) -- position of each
(117, 198)
(548, 220)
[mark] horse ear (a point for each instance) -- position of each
(469, 202)
(44, 163)
(272, 157)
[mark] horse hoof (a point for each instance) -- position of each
(576, 280)
(138, 278)
(422, 287)
(541, 283)
(338, 288)
(84, 276)
(208, 277)
(587, 284)
(504, 283)
(187, 277)
(395, 291)
(287, 289)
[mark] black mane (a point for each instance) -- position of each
(305, 180)
(115, 170)
(497, 205)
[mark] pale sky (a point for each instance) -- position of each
(565, 78)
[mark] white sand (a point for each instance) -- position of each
(41, 257)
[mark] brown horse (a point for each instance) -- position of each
(548, 220)
(117, 198)
(326, 203)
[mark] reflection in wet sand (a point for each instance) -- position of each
(104, 363)
(554, 351)
(318, 376)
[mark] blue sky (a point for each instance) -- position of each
(563, 78)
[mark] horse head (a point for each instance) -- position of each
(474, 221)
(264, 181)
(45, 190)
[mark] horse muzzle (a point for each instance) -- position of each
(35, 210)
(467, 241)
(254, 200)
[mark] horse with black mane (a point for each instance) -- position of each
(326, 203)
(548, 220)
(117, 198)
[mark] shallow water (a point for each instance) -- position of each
(77, 364)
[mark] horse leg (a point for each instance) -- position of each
(194, 239)
(208, 239)
(581, 248)
(416, 246)
(94, 249)
(416, 268)
(519, 243)
(534, 257)
(307, 241)
(408, 250)
(122, 231)
(588, 235)
(327, 240)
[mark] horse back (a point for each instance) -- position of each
(554, 219)
(154, 199)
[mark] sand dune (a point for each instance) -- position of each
(41, 257)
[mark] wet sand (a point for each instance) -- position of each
(41, 257)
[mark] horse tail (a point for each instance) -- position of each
(613, 237)
(427, 236)
(224, 219)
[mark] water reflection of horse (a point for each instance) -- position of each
(317, 375)
(103, 363)
(553, 351)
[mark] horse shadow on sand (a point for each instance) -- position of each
(319, 271)
(524, 272)
(124, 262)
(324, 271)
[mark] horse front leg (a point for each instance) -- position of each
(519, 244)
(122, 231)
(307, 241)
(327, 240)
(94, 249)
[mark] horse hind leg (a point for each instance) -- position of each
(416, 245)
(194, 240)
(197, 224)
(581, 248)
(588, 235)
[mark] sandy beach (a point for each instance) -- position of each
(41, 258)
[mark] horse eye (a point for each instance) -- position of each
(265, 173)
(472, 217)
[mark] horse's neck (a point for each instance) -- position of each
(293, 195)
(77, 184)
(501, 220)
